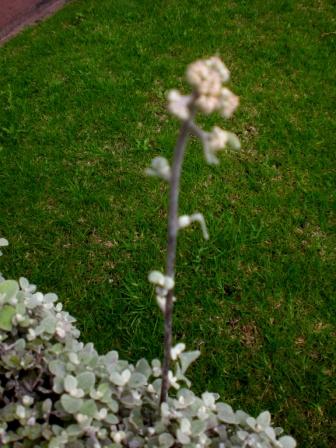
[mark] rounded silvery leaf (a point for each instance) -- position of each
(182, 437)
(74, 430)
(39, 297)
(26, 286)
(137, 380)
(185, 397)
(78, 393)
(20, 411)
(103, 392)
(209, 399)
(287, 442)
(48, 324)
(112, 405)
(203, 413)
(46, 406)
(71, 404)
(73, 358)
(6, 315)
(156, 363)
(252, 423)
(89, 355)
(165, 412)
(27, 400)
(221, 431)
(83, 420)
(264, 419)
(136, 442)
(185, 426)
(166, 440)
(187, 358)
(143, 367)
(32, 301)
(242, 435)
(3, 242)
(86, 381)
(111, 419)
(57, 368)
(88, 408)
(111, 357)
(58, 386)
(270, 433)
(136, 419)
(50, 297)
(123, 365)
(24, 283)
(126, 375)
(197, 427)
(225, 413)
(20, 345)
(120, 379)
(70, 383)
(59, 441)
(8, 290)
(157, 385)
(241, 417)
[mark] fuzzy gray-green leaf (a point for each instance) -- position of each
(88, 408)
(8, 289)
(6, 315)
(187, 358)
(86, 381)
(71, 404)
(137, 380)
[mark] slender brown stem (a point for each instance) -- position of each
(171, 248)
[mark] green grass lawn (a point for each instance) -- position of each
(83, 113)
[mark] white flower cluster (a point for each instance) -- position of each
(163, 284)
(206, 76)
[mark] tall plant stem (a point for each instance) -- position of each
(171, 249)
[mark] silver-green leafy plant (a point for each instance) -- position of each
(57, 392)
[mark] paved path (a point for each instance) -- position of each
(17, 14)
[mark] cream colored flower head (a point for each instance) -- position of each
(207, 77)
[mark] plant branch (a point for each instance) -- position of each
(171, 246)
(198, 132)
